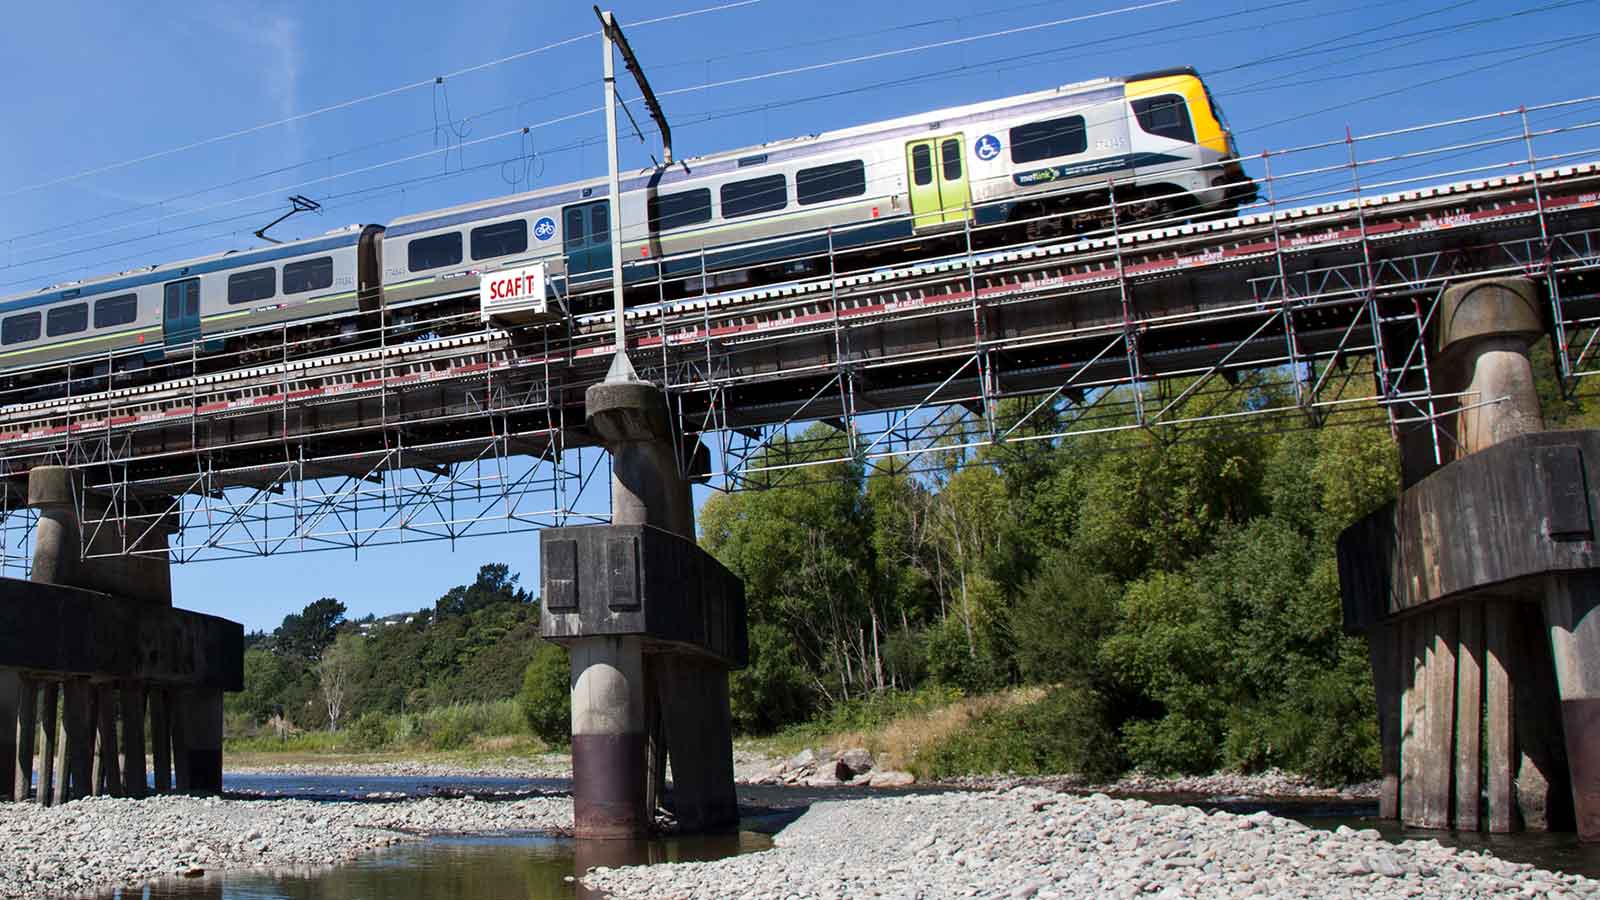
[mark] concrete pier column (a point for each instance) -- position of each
(201, 711)
(59, 538)
(1484, 331)
(10, 690)
(160, 742)
(608, 738)
(699, 737)
(27, 731)
(1572, 613)
(133, 766)
(48, 743)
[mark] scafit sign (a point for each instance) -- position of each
(511, 291)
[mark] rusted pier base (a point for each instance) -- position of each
(1476, 591)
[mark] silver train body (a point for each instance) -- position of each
(719, 220)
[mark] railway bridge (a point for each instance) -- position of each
(1360, 290)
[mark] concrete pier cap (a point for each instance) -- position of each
(1485, 328)
(125, 557)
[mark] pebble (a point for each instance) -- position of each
(1031, 842)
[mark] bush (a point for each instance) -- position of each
(1059, 620)
(546, 696)
(954, 661)
(773, 690)
(372, 731)
(1065, 732)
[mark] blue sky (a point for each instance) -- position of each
(116, 89)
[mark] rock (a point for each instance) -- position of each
(804, 759)
(850, 763)
(885, 778)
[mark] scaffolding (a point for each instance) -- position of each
(1310, 307)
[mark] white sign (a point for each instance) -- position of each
(512, 290)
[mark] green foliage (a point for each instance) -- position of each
(773, 690)
(964, 659)
(1065, 731)
(546, 696)
(1060, 617)
(373, 731)
(307, 633)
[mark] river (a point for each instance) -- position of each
(541, 867)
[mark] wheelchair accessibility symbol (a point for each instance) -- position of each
(987, 147)
(544, 229)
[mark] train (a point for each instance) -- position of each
(1001, 170)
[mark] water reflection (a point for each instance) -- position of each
(534, 867)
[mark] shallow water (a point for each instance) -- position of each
(539, 867)
(534, 867)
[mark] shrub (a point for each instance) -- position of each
(1064, 732)
(546, 696)
(1059, 620)
(372, 731)
(955, 661)
(773, 690)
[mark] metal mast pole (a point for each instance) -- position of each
(621, 367)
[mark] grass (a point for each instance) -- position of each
(460, 733)
(901, 729)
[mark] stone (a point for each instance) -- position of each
(850, 763)
(801, 760)
(889, 778)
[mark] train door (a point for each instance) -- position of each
(180, 313)
(936, 171)
(586, 239)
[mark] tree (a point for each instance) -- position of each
(309, 632)
(336, 674)
(496, 583)
(546, 696)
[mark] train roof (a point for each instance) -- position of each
(711, 163)
(200, 265)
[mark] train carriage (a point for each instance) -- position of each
(764, 212)
(163, 311)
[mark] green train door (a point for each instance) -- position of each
(936, 170)
(180, 314)
(586, 240)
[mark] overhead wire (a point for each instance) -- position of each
(355, 101)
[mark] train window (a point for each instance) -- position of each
(831, 182)
(119, 310)
(1052, 137)
(256, 284)
(17, 329)
(501, 239)
(921, 165)
(573, 236)
(678, 210)
(1165, 116)
(308, 275)
(66, 319)
(950, 156)
(433, 252)
(757, 195)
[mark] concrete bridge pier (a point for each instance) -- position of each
(1476, 588)
(652, 625)
(93, 641)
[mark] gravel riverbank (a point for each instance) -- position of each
(91, 845)
(1031, 842)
